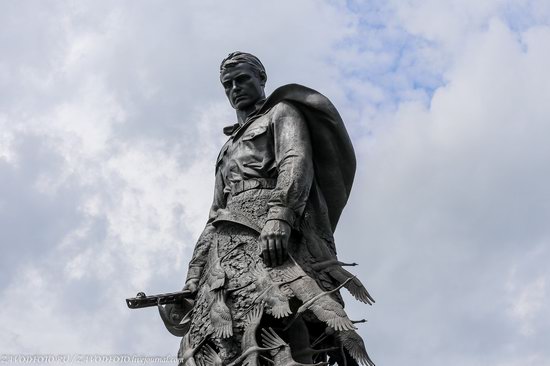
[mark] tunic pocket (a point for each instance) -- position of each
(222, 153)
(254, 133)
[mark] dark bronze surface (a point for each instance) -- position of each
(264, 275)
(143, 301)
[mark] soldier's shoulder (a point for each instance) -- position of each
(285, 109)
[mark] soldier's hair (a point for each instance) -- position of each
(238, 57)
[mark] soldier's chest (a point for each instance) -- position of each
(249, 145)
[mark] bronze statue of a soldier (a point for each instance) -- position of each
(264, 274)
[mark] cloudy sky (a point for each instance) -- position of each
(110, 119)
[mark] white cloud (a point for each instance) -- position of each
(6, 142)
(529, 304)
(453, 196)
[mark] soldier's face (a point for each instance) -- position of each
(243, 86)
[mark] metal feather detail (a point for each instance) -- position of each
(282, 355)
(220, 316)
(321, 304)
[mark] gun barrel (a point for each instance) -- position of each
(143, 301)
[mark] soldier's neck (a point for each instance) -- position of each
(242, 115)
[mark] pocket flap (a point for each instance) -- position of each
(222, 153)
(254, 132)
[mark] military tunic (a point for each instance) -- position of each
(265, 171)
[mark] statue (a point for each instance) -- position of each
(263, 283)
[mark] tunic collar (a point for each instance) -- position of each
(233, 129)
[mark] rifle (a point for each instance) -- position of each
(143, 301)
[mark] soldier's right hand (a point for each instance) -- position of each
(191, 285)
(274, 239)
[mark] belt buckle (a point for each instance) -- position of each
(245, 185)
(236, 188)
(252, 183)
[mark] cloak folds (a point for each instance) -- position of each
(333, 155)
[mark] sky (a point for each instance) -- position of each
(110, 120)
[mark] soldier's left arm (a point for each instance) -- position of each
(293, 155)
(202, 247)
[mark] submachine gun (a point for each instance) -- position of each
(174, 308)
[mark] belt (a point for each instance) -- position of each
(253, 183)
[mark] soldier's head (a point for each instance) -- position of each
(243, 77)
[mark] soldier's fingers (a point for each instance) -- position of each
(271, 252)
(265, 250)
(284, 249)
(279, 250)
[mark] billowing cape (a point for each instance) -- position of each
(333, 155)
